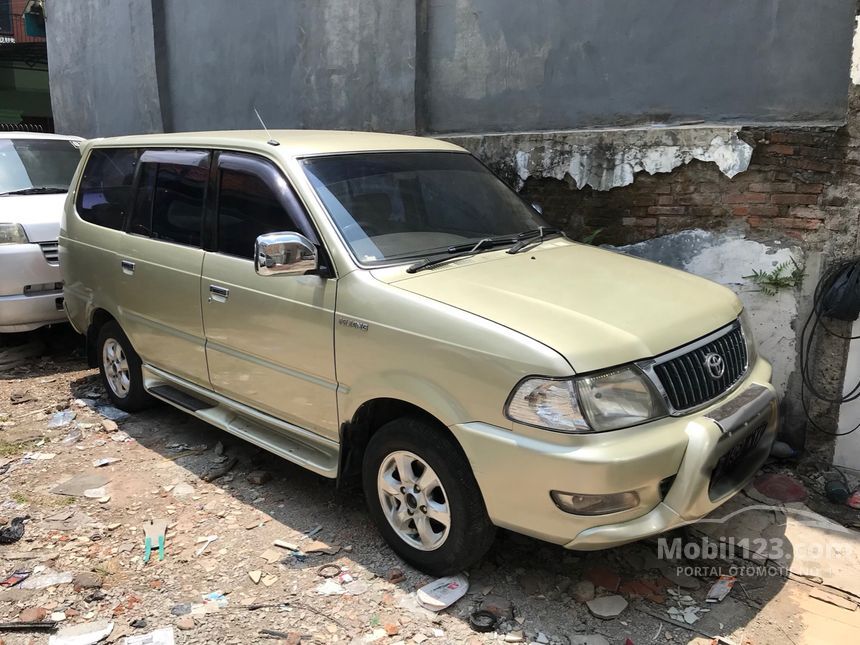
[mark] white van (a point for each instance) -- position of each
(35, 171)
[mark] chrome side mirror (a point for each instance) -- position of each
(284, 254)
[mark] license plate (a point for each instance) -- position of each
(743, 447)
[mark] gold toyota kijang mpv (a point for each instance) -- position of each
(384, 306)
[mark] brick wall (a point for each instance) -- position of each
(791, 182)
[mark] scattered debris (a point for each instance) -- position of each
(209, 539)
(259, 477)
(182, 489)
(163, 636)
(483, 621)
(395, 575)
(286, 545)
(721, 589)
(13, 532)
(87, 580)
(154, 531)
(607, 606)
(255, 576)
(687, 609)
(33, 615)
(60, 419)
(854, 499)
(83, 634)
(442, 593)
(95, 493)
(329, 571)
(105, 461)
(38, 456)
(14, 578)
(25, 626)
(111, 413)
(321, 547)
(833, 599)
(501, 608)
(47, 578)
(219, 470)
(314, 531)
(330, 588)
(77, 485)
(603, 577)
(582, 591)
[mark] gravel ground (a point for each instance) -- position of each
(164, 459)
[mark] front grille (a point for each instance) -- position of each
(51, 251)
(687, 380)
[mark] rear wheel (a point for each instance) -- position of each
(424, 498)
(119, 366)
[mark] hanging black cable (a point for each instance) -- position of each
(836, 296)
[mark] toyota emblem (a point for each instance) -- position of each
(715, 365)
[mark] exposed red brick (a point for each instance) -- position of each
(746, 198)
(773, 187)
(603, 577)
(794, 200)
(779, 149)
(666, 210)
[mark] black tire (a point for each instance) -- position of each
(470, 533)
(136, 397)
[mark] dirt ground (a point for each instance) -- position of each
(164, 459)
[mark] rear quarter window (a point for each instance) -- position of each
(105, 191)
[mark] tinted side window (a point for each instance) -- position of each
(177, 205)
(104, 194)
(247, 208)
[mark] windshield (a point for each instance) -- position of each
(403, 205)
(37, 165)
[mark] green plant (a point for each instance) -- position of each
(785, 275)
(589, 239)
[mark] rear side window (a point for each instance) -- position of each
(248, 206)
(105, 191)
(170, 197)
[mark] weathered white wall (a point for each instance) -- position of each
(847, 450)
(727, 258)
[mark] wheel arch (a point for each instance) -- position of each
(98, 320)
(367, 419)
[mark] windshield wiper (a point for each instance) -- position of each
(37, 190)
(527, 238)
(460, 251)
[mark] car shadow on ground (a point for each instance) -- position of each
(44, 352)
(544, 584)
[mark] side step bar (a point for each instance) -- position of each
(303, 447)
(180, 398)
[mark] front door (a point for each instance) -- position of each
(161, 260)
(269, 339)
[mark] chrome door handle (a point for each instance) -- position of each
(218, 294)
(127, 267)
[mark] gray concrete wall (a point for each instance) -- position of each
(500, 65)
(102, 67)
(445, 66)
(318, 63)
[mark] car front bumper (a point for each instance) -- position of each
(674, 465)
(30, 291)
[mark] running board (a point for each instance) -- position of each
(295, 444)
(180, 398)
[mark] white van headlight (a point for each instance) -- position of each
(12, 234)
(608, 400)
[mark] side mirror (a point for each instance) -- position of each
(284, 254)
(538, 208)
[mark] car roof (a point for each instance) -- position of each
(292, 143)
(37, 135)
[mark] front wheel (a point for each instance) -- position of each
(424, 498)
(120, 369)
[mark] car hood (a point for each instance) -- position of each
(39, 214)
(595, 307)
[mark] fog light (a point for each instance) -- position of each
(580, 504)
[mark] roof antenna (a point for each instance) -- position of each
(272, 141)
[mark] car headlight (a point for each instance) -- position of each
(608, 400)
(746, 329)
(13, 234)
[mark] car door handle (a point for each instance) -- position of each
(127, 267)
(218, 294)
